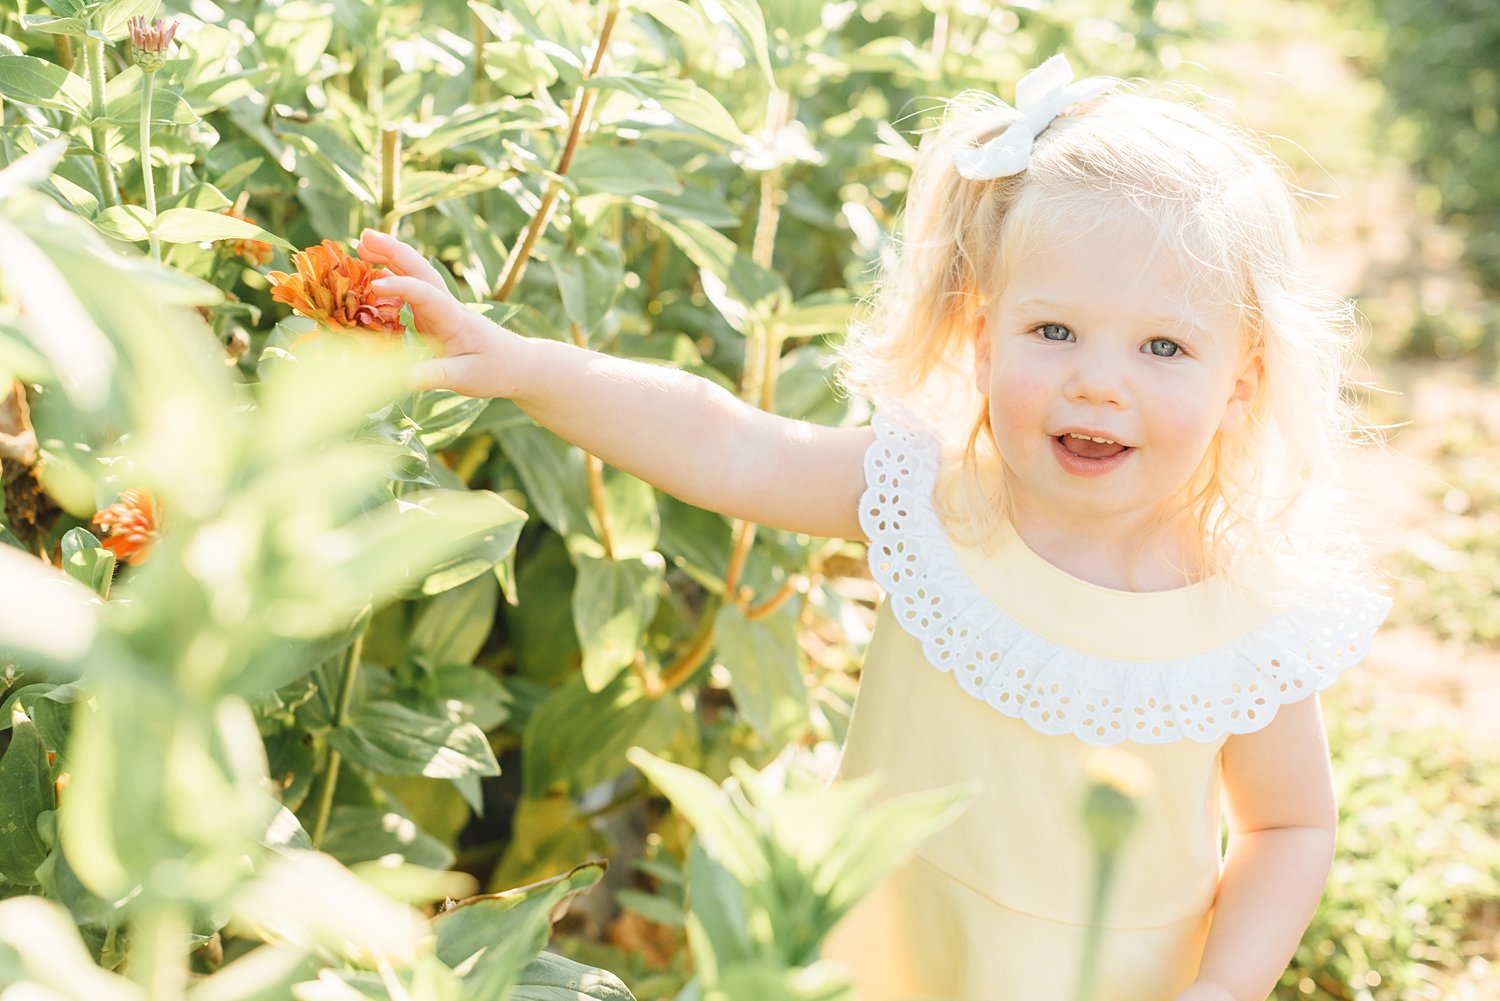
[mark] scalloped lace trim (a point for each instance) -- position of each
(1234, 689)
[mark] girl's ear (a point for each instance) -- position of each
(1244, 393)
(981, 354)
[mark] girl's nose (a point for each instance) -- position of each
(1097, 379)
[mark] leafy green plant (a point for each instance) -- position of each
(1415, 888)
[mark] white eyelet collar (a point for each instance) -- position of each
(1235, 688)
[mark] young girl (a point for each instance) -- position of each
(1107, 415)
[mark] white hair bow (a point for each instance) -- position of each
(1041, 96)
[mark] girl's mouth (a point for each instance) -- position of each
(1086, 455)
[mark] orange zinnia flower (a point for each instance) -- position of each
(254, 252)
(133, 523)
(334, 288)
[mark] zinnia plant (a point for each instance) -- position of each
(133, 524)
(334, 289)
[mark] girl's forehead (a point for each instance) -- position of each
(1093, 248)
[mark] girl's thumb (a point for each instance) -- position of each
(429, 374)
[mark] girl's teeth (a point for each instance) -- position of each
(1102, 441)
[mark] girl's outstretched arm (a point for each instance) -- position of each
(681, 433)
(1282, 822)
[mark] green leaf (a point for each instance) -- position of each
(589, 281)
(545, 642)
(50, 620)
(452, 626)
(34, 81)
(727, 834)
(396, 434)
(634, 519)
(46, 24)
(50, 708)
(749, 17)
(718, 918)
(443, 416)
(550, 977)
(112, 16)
(48, 959)
(298, 32)
(623, 170)
(472, 693)
(738, 287)
(88, 562)
(552, 473)
(186, 225)
(490, 939)
(425, 542)
(125, 222)
(765, 670)
(123, 101)
(367, 833)
(422, 189)
(390, 738)
(26, 791)
(579, 738)
(684, 100)
(518, 66)
(613, 603)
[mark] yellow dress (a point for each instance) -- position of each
(1004, 670)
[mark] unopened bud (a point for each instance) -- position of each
(1117, 779)
(148, 44)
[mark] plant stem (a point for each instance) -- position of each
(1094, 936)
(65, 52)
(583, 102)
(148, 85)
(158, 952)
(775, 601)
(390, 177)
(594, 466)
(340, 719)
(97, 127)
(479, 86)
(691, 658)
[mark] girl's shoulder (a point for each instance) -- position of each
(1066, 656)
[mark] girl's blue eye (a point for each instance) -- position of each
(1164, 347)
(1055, 332)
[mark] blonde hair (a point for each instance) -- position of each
(1214, 198)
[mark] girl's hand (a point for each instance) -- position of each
(477, 357)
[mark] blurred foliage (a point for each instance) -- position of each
(1415, 887)
(1447, 581)
(1440, 63)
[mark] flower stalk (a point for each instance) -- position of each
(107, 182)
(340, 719)
(390, 177)
(1111, 809)
(148, 48)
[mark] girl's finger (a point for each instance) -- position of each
(438, 313)
(382, 248)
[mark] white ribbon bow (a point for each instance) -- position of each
(1041, 96)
